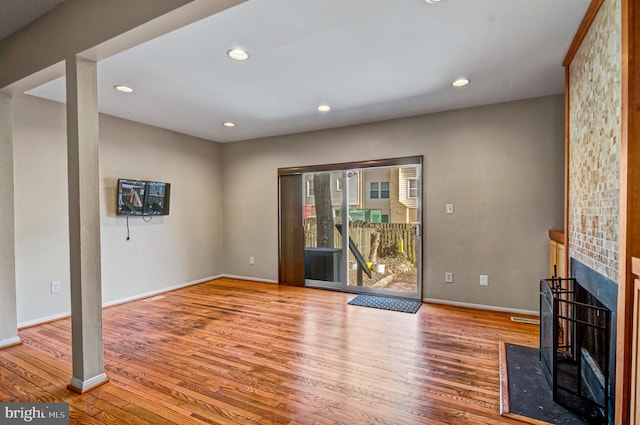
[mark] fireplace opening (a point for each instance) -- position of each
(575, 337)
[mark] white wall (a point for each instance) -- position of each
(501, 165)
(168, 251)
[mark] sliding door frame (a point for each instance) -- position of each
(290, 224)
(290, 230)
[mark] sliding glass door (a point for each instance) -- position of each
(323, 253)
(362, 228)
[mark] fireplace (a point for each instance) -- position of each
(577, 342)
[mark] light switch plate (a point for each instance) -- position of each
(55, 287)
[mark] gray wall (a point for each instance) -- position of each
(501, 165)
(168, 251)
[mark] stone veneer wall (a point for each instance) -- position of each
(594, 157)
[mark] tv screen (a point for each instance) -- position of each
(157, 200)
(131, 197)
(139, 197)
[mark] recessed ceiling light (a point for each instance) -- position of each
(123, 89)
(238, 54)
(324, 108)
(461, 82)
(432, 1)
(229, 124)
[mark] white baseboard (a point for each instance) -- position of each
(255, 279)
(81, 386)
(482, 307)
(10, 341)
(158, 291)
(136, 297)
(41, 320)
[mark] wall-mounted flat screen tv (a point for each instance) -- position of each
(131, 194)
(141, 197)
(157, 199)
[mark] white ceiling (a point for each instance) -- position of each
(15, 14)
(369, 59)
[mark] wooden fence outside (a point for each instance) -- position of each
(396, 239)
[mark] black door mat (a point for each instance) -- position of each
(387, 303)
(525, 393)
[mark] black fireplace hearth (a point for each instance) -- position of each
(575, 348)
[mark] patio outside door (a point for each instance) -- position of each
(362, 229)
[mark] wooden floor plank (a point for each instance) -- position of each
(241, 352)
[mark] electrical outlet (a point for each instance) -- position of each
(484, 280)
(448, 277)
(449, 208)
(252, 261)
(55, 287)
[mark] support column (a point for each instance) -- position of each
(84, 225)
(8, 313)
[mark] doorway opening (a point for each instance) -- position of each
(362, 227)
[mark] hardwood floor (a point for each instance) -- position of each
(238, 352)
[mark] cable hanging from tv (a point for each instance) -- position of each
(141, 198)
